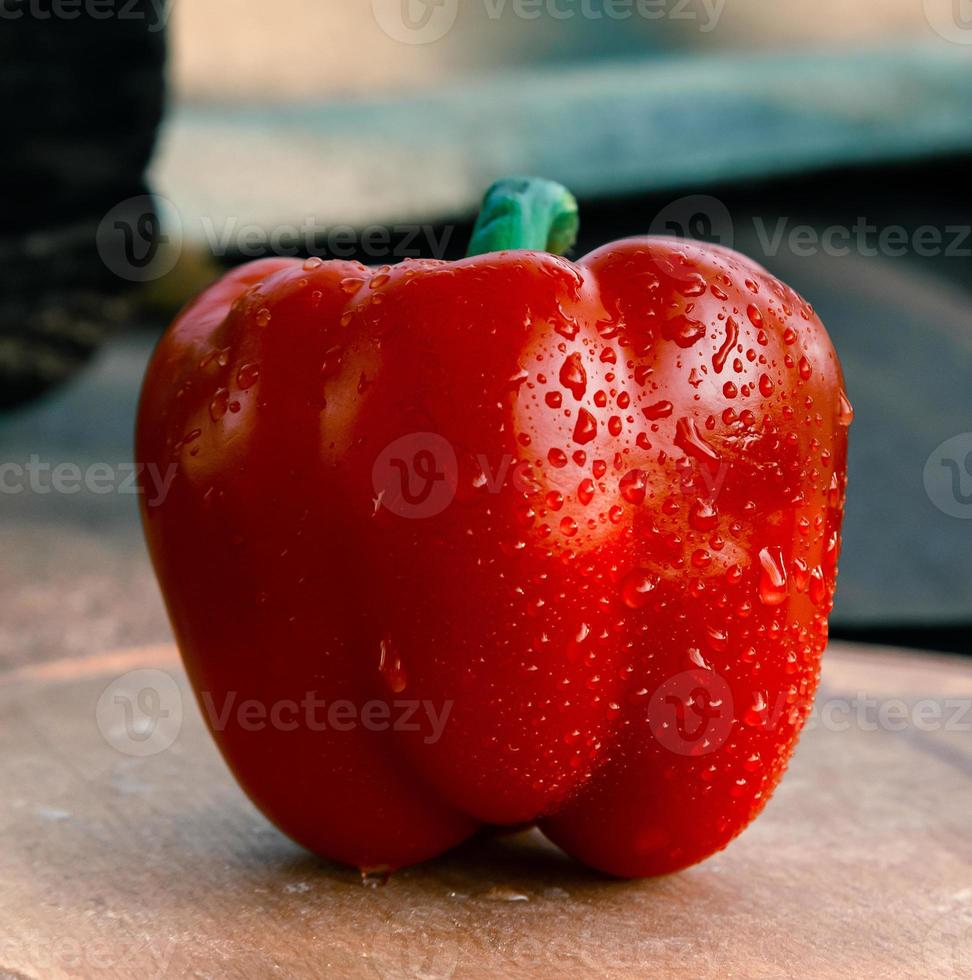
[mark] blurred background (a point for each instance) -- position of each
(148, 146)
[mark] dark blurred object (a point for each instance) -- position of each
(82, 93)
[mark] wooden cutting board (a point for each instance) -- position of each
(114, 864)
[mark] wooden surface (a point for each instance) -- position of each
(114, 865)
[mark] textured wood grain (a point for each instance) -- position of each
(118, 866)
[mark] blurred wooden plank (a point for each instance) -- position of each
(602, 130)
(117, 866)
(305, 50)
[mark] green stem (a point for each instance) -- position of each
(526, 213)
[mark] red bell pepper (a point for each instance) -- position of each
(509, 540)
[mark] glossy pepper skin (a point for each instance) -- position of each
(619, 598)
